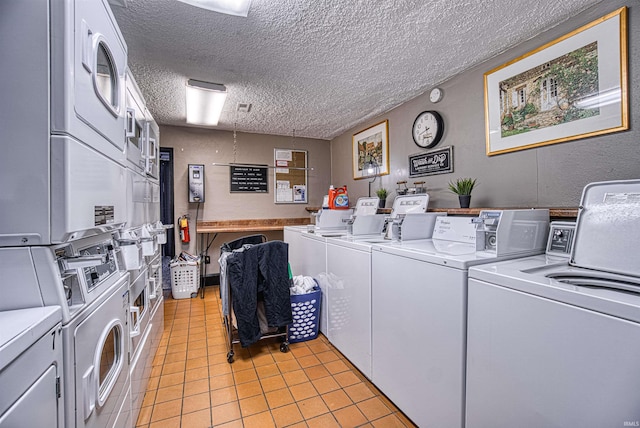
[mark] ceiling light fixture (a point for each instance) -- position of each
(230, 7)
(204, 102)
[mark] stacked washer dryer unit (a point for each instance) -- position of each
(556, 342)
(61, 207)
(141, 238)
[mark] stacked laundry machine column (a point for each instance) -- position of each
(68, 217)
(141, 239)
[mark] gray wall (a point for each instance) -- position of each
(205, 146)
(551, 176)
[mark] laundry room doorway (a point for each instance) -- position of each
(166, 212)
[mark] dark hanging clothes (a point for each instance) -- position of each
(261, 269)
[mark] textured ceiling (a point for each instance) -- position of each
(319, 67)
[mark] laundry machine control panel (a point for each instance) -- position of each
(561, 238)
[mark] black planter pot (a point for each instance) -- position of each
(381, 203)
(465, 200)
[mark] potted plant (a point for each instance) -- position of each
(463, 187)
(382, 194)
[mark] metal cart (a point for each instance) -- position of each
(225, 296)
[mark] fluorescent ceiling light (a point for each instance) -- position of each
(230, 7)
(204, 102)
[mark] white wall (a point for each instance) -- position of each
(206, 146)
(551, 176)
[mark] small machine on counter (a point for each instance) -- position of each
(505, 232)
(332, 222)
(409, 219)
(365, 221)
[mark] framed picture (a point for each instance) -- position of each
(573, 87)
(371, 151)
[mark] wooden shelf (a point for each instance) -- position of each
(554, 213)
(250, 225)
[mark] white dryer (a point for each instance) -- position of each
(63, 117)
(556, 342)
(419, 295)
(31, 368)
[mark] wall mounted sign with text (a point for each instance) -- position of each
(252, 179)
(430, 163)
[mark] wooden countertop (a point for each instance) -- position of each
(249, 225)
(562, 212)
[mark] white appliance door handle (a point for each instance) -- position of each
(152, 148)
(87, 46)
(135, 326)
(89, 392)
(131, 122)
(152, 288)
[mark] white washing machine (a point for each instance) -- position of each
(31, 368)
(419, 303)
(557, 343)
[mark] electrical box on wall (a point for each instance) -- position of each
(196, 183)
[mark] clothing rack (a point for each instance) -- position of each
(237, 261)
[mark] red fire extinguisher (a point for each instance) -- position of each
(183, 222)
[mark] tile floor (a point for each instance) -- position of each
(312, 385)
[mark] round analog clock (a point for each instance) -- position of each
(436, 95)
(428, 129)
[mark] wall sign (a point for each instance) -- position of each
(290, 176)
(430, 163)
(252, 179)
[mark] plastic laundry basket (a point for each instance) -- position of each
(305, 309)
(185, 279)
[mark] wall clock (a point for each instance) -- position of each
(436, 95)
(428, 129)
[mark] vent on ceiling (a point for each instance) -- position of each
(244, 107)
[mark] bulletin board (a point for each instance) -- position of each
(290, 175)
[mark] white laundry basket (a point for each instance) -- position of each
(185, 279)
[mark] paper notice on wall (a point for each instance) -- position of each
(284, 192)
(283, 163)
(282, 170)
(284, 155)
(299, 193)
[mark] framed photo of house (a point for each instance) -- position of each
(573, 87)
(371, 151)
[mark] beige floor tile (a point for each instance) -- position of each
(323, 421)
(222, 381)
(196, 374)
(317, 346)
(169, 393)
(196, 353)
(223, 395)
(337, 400)
(312, 407)
(316, 372)
(335, 367)
(350, 417)
(225, 413)
(166, 410)
(373, 408)
(308, 361)
(253, 405)
(346, 379)
(245, 376)
(279, 398)
(199, 419)
(261, 420)
(268, 370)
(286, 415)
(391, 421)
(272, 383)
(248, 389)
(301, 351)
(328, 356)
(359, 392)
(303, 391)
(295, 377)
(166, 423)
(288, 366)
(325, 384)
(196, 402)
(196, 387)
(171, 379)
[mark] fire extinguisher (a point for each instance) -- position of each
(183, 222)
